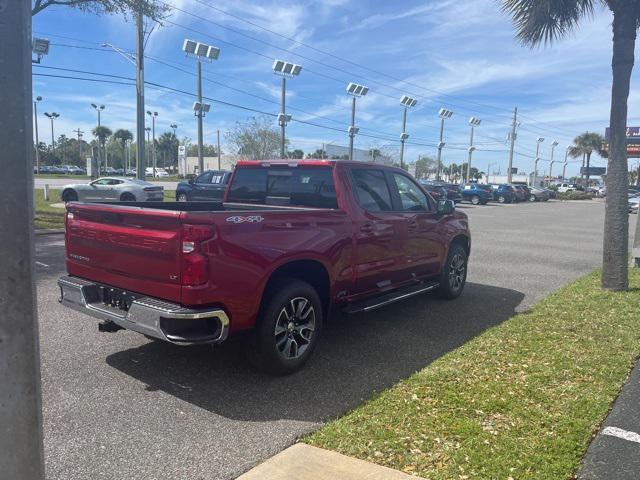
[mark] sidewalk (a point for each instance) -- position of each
(304, 462)
(615, 452)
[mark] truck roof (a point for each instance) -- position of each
(309, 161)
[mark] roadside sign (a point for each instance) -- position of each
(596, 171)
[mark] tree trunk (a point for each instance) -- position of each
(616, 221)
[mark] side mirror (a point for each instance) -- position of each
(446, 207)
(191, 180)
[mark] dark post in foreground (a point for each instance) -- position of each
(21, 455)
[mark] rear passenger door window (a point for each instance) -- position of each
(372, 190)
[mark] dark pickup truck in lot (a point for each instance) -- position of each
(290, 242)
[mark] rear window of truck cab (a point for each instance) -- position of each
(302, 186)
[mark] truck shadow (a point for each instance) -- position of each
(358, 356)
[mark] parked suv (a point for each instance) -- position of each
(503, 193)
(476, 194)
(209, 186)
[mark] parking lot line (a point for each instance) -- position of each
(620, 433)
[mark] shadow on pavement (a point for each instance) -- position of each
(358, 356)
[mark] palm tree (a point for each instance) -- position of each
(102, 133)
(584, 145)
(168, 144)
(540, 22)
(123, 136)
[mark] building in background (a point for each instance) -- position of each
(189, 166)
(336, 152)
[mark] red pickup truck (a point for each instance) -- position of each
(291, 241)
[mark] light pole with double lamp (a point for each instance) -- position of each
(52, 116)
(407, 103)
(284, 70)
(443, 114)
(207, 52)
(474, 122)
(355, 91)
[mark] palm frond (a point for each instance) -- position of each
(544, 21)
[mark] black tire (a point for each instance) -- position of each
(533, 198)
(475, 200)
(454, 273)
(182, 197)
(502, 199)
(127, 197)
(290, 315)
(69, 195)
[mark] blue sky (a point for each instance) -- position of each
(445, 53)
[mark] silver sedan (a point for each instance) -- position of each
(112, 189)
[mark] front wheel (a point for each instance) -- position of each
(182, 197)
(475, 200)
(502, 199)
(454, 273)
(288, 328)
(532, 198)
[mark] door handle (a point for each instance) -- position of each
(367, 228)
(412, 223)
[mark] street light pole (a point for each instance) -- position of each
(444, 114)
(539, 140)
(21, 451)
(99, 108)
(474, 122)
(283, 115)
(153, 116)
(199, 115)
(553, 147)
(284, 69)
(148, 130)
(35, 116)
(514, 126)
(406, 102)
(52, 116)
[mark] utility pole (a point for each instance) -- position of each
(140, 158)
(79, 133)
(514, 126)
(219, 153)
(35, 117)
(21, 451)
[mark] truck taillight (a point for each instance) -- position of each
(194, 262)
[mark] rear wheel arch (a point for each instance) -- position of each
(312, 272)
(463, 241)
(127, 197)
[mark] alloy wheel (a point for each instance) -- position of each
(456, 272)
(295, 327)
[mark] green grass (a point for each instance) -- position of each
(522, 400)
(51, 217)
(46, 215)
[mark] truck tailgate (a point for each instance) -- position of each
(136, 249)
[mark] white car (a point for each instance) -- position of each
(159, 172)
(634, 204)
(566, 187)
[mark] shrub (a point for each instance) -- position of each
(576, 195)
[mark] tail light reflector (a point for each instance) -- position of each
(195, 265)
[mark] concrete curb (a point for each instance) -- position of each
(48, 231)
(304, 462)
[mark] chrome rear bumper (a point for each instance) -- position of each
(149, 316)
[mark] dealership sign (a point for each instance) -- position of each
(593, 171)
(633, 142)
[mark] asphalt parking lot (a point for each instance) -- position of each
(120, 406)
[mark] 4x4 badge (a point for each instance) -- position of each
(250, 219)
